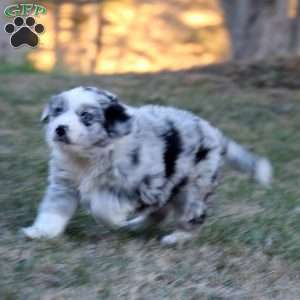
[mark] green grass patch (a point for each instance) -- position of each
(251, 236)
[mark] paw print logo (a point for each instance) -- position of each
(24, 32)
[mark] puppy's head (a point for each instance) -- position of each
(83, 118)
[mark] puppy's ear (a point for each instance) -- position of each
(118, 123)
(45, 114)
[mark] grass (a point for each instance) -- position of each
(249, 247)
(8, 68)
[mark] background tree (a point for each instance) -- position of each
(260, 28)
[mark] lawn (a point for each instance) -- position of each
(249, 248)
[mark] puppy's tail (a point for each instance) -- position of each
(241, 159)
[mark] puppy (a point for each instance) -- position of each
(119, 161)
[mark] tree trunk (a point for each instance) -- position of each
(57, 47)
(295, 40)
(257, 28)
(241, 18)
(98, 42)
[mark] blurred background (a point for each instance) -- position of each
(233, 62)
(120, 36)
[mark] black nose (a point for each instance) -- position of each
(61, 130)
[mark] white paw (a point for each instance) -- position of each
(177, 237)
(33, 232)
(47, 225)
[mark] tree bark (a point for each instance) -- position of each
(295, 39)
(57, 47)
(98, 42)
(258, 28)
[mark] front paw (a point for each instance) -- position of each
(47, 225)
(32, 232)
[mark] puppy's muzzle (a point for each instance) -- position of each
(61, 134)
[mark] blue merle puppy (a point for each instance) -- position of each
(132, 166)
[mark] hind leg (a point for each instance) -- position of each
(191, 206)
(191, 213)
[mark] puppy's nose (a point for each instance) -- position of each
(61, 130)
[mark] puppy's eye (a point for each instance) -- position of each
(86, 118)
(57, 111)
